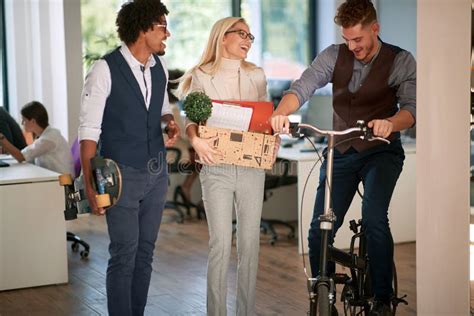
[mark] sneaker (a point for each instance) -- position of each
(380, 309)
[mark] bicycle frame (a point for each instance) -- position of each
(327, 220)
(357, 263)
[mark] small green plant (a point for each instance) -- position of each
(198, 107)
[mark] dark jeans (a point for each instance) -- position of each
(133, 225)
(378, 168)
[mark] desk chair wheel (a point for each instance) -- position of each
(103, 200)
(75, 247)
(76, 243)
(65, 179)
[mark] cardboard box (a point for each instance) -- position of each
(245, 149)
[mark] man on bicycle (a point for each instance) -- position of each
(375, 82)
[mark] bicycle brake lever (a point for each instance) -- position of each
(380, 139)
(369, 133)
(294, 130)
(373, 138)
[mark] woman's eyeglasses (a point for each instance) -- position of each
(243, 34)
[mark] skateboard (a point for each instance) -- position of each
(107, 183)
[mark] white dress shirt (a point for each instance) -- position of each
(51, 151)
(97, 87)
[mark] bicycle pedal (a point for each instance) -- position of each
(340, 278)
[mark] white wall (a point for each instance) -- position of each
(442, 249)
(74, 69)
(398, 23)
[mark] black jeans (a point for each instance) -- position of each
(378, 168)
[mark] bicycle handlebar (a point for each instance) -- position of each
(295, 131)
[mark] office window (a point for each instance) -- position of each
(281, 28)
(99, 33)
(190, 24)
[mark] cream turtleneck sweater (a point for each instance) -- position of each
(230, 73)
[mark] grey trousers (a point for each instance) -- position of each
(223, 188)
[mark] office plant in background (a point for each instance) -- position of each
(98, 29)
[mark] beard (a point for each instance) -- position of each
(370, 51)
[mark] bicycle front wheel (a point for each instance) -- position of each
(324, 307)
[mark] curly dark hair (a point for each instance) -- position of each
(35, 110)
(353, 12)
(136, 16)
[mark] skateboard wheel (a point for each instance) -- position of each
(65, 179)
(103, 200)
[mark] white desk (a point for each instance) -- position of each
(32, 227)
(402, 207)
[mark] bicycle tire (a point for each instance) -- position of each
(350, 310)
(395, 287)
(323, 300)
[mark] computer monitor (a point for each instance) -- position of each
(3, 164)
(318, 111)
(276, 87)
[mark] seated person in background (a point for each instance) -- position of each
(49, 149)
(11, 130)
(188, 153)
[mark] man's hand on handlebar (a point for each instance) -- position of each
(280, 124)
(381, 128)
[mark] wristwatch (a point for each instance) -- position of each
(2, 137)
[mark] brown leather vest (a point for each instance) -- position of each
(373, 100)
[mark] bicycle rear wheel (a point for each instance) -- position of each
(357, 304)
(352, 305)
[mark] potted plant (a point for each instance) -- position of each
(198, 107)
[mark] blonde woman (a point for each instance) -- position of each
(222, 73)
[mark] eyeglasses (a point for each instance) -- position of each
(243, 34)
(165, 26)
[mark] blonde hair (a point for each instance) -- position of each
(212, 55)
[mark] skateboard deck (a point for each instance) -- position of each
(107, 182)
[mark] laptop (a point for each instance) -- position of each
(3, 164)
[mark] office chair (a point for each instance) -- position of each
(76, 240)
(175, 165)
(273, 182)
